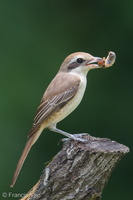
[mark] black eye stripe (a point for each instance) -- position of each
(76, 63)
(73, 65)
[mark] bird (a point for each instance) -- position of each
(61, 97)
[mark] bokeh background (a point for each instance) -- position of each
(35, 37)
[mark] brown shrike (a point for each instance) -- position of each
(62, 96)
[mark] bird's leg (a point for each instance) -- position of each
(74, 137)
(78, 135)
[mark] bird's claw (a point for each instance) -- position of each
(77, 137)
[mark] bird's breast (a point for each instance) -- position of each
(71, 105)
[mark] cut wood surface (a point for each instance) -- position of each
(79, 171)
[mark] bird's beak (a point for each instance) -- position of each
(94, 62)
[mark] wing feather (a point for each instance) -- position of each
(52, 105)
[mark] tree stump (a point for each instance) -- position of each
(79, 171)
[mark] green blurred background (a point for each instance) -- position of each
(35, 37)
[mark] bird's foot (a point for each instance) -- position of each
(77, 137)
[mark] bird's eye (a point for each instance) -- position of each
(80, 60)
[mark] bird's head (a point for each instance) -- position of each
(80, 63)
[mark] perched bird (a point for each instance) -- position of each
(61, 97)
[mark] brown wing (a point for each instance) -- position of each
(52, 105)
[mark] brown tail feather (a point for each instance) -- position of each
(25, 152)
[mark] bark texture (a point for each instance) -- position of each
(79, 171)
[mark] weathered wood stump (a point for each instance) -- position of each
(79, 171)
